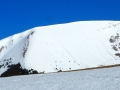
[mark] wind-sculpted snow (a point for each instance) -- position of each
(63, 47)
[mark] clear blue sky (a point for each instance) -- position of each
(19, 15)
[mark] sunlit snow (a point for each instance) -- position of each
(64, 47)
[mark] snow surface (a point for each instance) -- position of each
(99, 79)
(70, 46)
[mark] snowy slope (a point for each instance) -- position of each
(63, 47)
(99, 79)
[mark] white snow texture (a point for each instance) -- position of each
(99, 79)
(70, 46)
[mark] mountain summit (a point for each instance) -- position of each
(61, 47)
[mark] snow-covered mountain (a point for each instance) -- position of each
(63, 47)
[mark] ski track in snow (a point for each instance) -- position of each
(99, 79)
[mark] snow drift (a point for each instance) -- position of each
(63, 47)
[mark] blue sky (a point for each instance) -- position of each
(19, 15)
